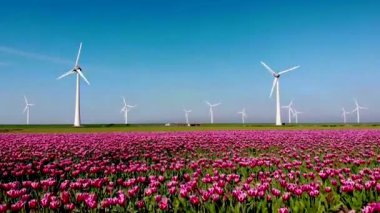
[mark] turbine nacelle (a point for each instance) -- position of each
(243, 113)
(77, 68)
(358, 107)
(212, 105)
(126, 107)
(345, 112)
(27, 105)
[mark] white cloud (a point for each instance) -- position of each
(31, 55)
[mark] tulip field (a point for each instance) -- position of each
(198, 171)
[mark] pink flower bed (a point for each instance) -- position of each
(280, 171)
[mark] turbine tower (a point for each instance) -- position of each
(211, 110)
(357, 110)
(78, 71)
(290, 110)
(344, 115)
(126, 108)
(187, 116)
(243, 115)
(27, 109)
(276, 83)
(295, 114)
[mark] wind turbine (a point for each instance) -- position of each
(211, 110)
(27, 109)
(187, 116)
(295, 114)
(126, 108)
(243, 115)
(344, 115)
(78, 71)
(357, 110)
(290, 110)
(276, 83)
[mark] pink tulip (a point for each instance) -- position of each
(283, 210)
(3, 208)
(140, 204)
(194, 200)
(163, 205)
(33, 204)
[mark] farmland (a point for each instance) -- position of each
(160, 127)
(207, 171)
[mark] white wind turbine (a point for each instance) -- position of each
(211, 110)
(295, 114)
(243, 115)
(187, 116)
(344, 115)
(126, 108)
(357, 110)
(290, 110)
(276, 83)
(27, 109)
(78, 71)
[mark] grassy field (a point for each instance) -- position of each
(161, 127)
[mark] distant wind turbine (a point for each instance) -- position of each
(243, 115)
(290, 110)
(295, 114)
(27, 109)
(211, 110)
(78, 71)
(187, 116)
(126, 108)
(276, 83)
(344, 115)
(357, 110)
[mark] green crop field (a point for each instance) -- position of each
(161, 127)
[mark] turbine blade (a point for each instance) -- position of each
(268, 68)
(288, 70)
(26, 100)
(26, 107)
(274, 84)
(84, 78)
(208, 103)
(80, 48)
(125, 103)
(66, 74)
(356, 102)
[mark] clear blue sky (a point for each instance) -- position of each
(163, 55)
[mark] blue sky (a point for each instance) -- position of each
(163, 55)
